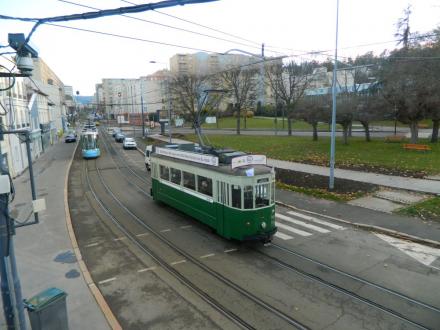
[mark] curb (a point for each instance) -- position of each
(99, 298)
(378, 229)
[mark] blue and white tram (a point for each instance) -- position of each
(89, 144)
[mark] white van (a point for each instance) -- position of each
(148, 151)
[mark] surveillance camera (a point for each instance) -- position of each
(25, 64)
(18, 42)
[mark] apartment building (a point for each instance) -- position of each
(36, 104)
(125, 97)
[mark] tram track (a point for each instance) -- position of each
(132, 237)
(381, 290)
(317, 278)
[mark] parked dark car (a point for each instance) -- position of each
(71, 137)
(119, 137)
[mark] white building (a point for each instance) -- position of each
(26, 106)
(125, 97)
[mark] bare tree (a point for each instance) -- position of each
(314, 109)
(241, 83)
(187, 90)
(403, 81)
(288, 83)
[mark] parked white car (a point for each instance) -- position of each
(129, 143)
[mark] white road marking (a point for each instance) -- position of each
(322, 222)
(91, 244)
(207, 255)
(177, 262)
(230, 250)
(293, 230)
(185, 227)
(107, 280)
(143, 234)
(119, 238)
(283, 236)
(301, 223)
(165, 230)
(423, 254)
(146, 269)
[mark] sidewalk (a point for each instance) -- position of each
(419, 185)
(44, 253)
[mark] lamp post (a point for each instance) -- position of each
(333, 134)
(142, 110)
(169, 98)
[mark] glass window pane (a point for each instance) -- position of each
(189, 180)
(248, 197)
(164, 173)
(204, 185)
(175, 176)
(272, 193)
(236, 196)
(262, 195)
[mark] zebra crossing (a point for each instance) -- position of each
(291, 224)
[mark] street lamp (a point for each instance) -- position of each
(333, 134)
(169, 98)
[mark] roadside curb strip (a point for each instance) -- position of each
(382, 230)
(99, 298)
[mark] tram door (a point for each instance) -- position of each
(223, 199)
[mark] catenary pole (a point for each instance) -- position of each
(333, 133)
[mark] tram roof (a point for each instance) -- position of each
(224, 155)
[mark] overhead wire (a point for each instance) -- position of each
(98, 14)
(166, 25)
(130, 38)
(198, 24)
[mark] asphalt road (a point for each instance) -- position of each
(284, 275)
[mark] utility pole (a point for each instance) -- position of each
(333, 134)
(142, 110)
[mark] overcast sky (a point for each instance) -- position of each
(287, 27)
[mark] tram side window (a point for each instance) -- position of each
(248, 197)
(204, 185)
(189, 180)
(236, 196)
(175, 176)
(164, 173)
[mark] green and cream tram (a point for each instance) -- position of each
(230, 191)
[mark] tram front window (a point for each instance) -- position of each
(248, 199)
(89, 142)
(262, 195)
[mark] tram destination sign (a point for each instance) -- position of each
(248, 160)
(189, 156)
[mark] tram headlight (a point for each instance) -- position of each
(263, 225)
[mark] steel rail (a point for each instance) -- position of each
(346, 292)
(315, 278)
(207, 269)
(208, 299)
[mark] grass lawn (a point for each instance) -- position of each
(263, 123)
(429, 209)
(375, 155)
